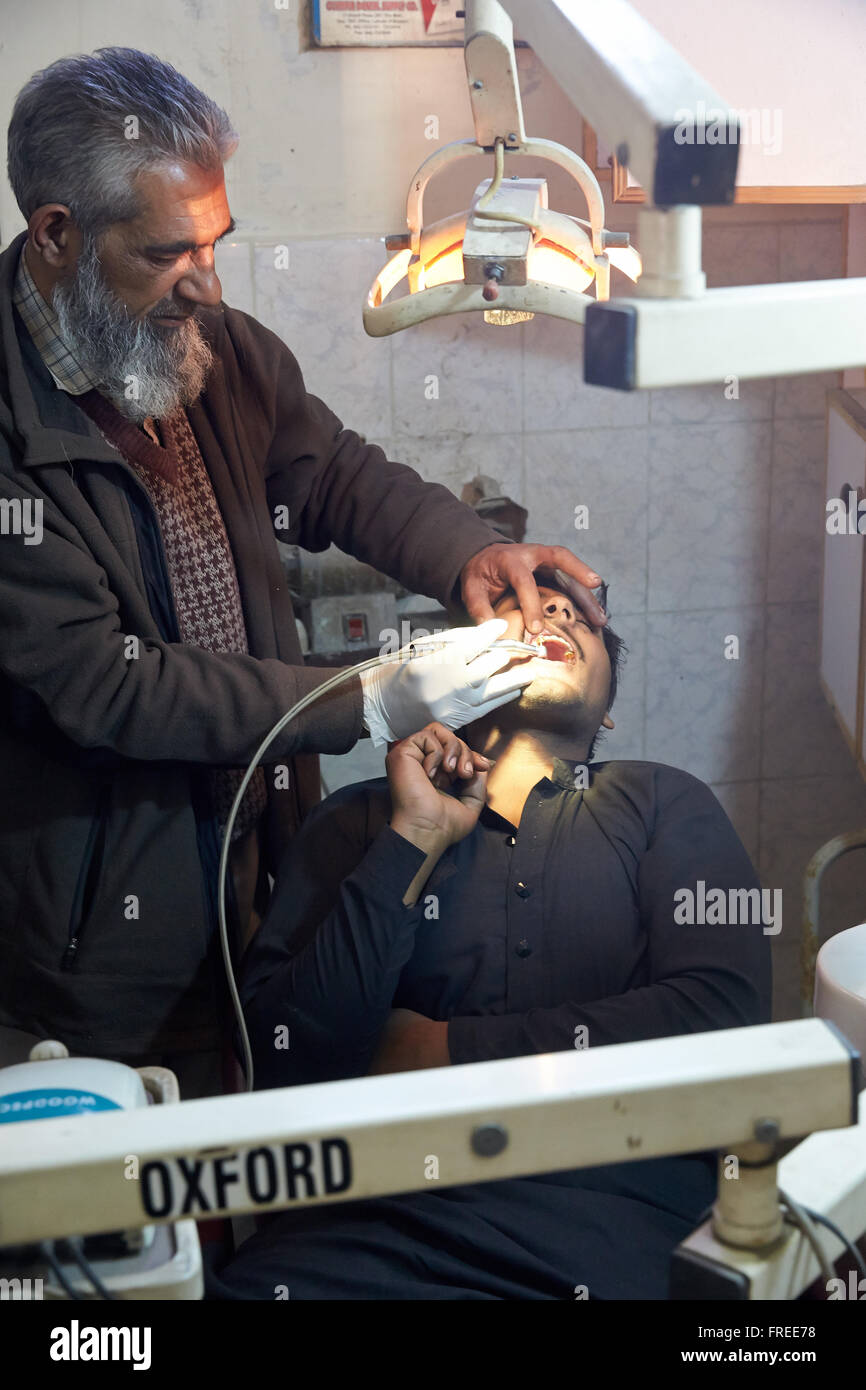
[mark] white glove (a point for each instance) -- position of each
(454, 685)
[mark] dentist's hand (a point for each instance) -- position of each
(454, 686)
(498, 567)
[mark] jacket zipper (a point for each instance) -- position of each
(85, 889)
(70, 954)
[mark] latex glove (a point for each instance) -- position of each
(454, 685)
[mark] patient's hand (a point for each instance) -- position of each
(421, 770)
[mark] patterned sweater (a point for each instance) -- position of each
(200, 563)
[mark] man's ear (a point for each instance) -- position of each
(607, 722)
(55, 240)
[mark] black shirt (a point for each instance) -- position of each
(558, 934)
(520, 938)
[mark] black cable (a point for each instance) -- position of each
(76, 1246)
(799, 1217)
(840, 1235)
(46, 1250)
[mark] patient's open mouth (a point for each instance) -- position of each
(551, 646)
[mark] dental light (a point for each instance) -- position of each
(509, 255)
(633, 87)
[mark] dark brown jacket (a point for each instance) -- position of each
(104, 811)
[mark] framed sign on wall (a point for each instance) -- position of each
(387, 23)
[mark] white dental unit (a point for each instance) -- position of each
(784, 1105)
(136, 1170)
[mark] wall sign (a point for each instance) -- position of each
(382, 23)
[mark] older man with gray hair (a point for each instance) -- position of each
(147, 641)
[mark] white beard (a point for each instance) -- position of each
(142, 369)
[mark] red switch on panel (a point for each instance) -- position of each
(355, 627)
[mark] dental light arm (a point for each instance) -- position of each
(634, 88)
(747, 1092)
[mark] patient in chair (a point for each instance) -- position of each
(524, 899)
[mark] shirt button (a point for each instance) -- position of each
(522, 890)
(512, 840)
(523, 948)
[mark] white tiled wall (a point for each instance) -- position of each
(705, 518)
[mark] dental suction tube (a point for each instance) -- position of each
(420, 646)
